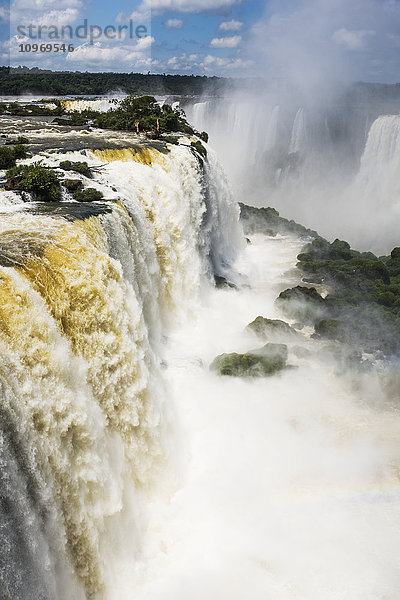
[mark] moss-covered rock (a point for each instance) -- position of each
(302, 304)
(262, 362)
(268, 220)
(272, 328)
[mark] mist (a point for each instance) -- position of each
(298, 139)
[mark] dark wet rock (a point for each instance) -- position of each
(70, 211)
(268, 221)
(222, 282)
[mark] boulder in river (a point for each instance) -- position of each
(262, 362)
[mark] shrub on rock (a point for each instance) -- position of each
(78, 167)
(72, 185)
(88, 195)
(7, 157)
(41, 182)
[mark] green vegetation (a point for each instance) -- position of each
(362, 308)
(20, 151)
(170, 139)
(75, 187)
(78, 167)
(144, 114)
(75, 118)
(41, 182)
(72, 185)
(17, 81)
(302, 304)
(263, 362)
(198, 146)
(363, 304)
(21, 139)
(88, 195)
(9, 155)
(140, 114)
(329, 329)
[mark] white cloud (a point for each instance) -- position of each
(56, 18)
(206, 64)
(184, 6)
(173, 24)
(4, 13)
(353, 40)
(97, 54)
(210, 63)
(226, 42)
(316, 44)
(230, 25)
(44, 5)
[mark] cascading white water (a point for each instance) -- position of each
(291, 488)
(129, 470)
(378, 176)
(251, 129)
(100, 104)
(84, 305)
(371, 203)
(298, 139)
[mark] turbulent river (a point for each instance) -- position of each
(129, 470)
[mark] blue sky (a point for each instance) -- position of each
(313, 39)
(183, 36)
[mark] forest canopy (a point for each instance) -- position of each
(21, 80)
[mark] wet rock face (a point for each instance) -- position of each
(262, 362)
(272, 329)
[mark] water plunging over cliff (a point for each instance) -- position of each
(86, 298)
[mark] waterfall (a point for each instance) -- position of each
(88, 294)
(380, 162)
(375, 190)
(298, 137)
(252, 130)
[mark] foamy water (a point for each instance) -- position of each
(289, 484)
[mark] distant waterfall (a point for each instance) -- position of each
(240, 132)
(298, 137)
(86, 299)
(380, 163)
